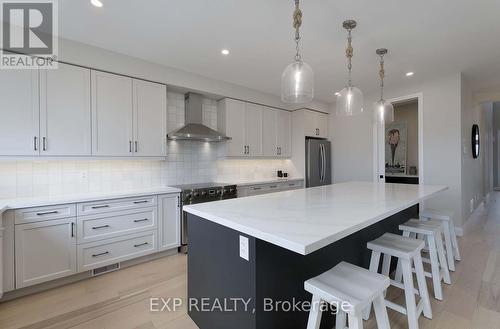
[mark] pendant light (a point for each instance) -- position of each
(350, 99)
(384, 111)
(297, 81)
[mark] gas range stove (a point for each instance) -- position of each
(198, 193)
(206, 192)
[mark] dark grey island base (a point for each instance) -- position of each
(216, 271)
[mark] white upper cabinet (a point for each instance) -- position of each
(65, 125)
(269, 132)
(283, 133)
(316, 124)
(231, 121)
(19, 123)
(112, 115)
(150, 119)
(256, 130)
(253, 129)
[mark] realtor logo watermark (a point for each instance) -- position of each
(29, 34)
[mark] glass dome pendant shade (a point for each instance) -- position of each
(383, 110)
(297, 81)
(350, 99)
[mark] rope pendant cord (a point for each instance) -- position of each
(297, 22)
(382, 75)
(349, 52)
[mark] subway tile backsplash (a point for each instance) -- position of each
(186, 162)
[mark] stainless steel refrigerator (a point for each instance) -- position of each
(318, 162)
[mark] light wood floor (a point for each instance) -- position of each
(121, 299)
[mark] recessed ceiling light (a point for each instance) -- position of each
(96, 3)
(224, 52)
(410, 74)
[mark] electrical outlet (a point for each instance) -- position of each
(244, 248)
(84, 177)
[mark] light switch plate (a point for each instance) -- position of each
(244, 248)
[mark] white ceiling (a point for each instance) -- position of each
(432, 38)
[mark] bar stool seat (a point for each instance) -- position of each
(450, 234)
(432, 231)
(408, 251)
(347, 283)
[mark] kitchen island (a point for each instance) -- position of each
(249, 257)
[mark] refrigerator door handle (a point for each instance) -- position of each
(322, 154)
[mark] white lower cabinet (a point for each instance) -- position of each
(44, 251)
(110, 251)
(169, 221)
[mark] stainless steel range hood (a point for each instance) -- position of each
(194, 129)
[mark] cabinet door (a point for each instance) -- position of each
(253, 129)
(65, 111)
(269, 132)
(19, 123)
(283, 133)
(322, 124)
(310, 124)
(235, 127)
(111, 114)
(169, 221)
(150, 118)
(44, 251)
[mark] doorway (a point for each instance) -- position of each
(399, 145)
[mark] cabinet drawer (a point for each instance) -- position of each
(291, 185)
(103, 206)
(108, 225)
(38, 214)
(101, 253)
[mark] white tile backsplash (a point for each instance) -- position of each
(186, 162)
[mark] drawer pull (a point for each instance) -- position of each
(99, 227)
(99, 207)
(273, 186)
(291, 184)
(141, 244)
(142, 201)
(257, 188)
(47, 213)
(140, 220)
(101, 254)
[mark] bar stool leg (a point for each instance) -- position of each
(340, 319)
(442, 259)
(422, 286)
(411, 307)
(374, 263)
(454, 242)
(449, 247)
(435, 268)
(381, 313)
(386, 267)
(315, 313)
(355, 321)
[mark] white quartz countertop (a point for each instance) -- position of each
(309, 219)
(17, 203)
(269, 181)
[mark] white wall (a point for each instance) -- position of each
(98, 58)
(352, 140)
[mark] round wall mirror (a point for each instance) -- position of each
(475, 141)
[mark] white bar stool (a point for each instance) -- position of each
(450, 235)
(432, 231)
(407, 250)
(347, 283)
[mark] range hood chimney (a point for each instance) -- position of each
(194, 129)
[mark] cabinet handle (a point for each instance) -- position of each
(136, 146)
(273, 186)
(257, 188)
(99, 207)
(100, 254)
(72, 229)
(99, 227)
(141, 244)
(130, 146)
(248, 148)
(140, 220)
(44, 143)
(142, 201)
(178, 201)
(47, 213)
(35, 143)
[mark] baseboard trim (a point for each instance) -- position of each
(80, 276)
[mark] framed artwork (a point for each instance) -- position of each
(396, 135)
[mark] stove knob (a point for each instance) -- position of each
(219, 192)
(196, 194)
(203, 193)
(231, 190)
